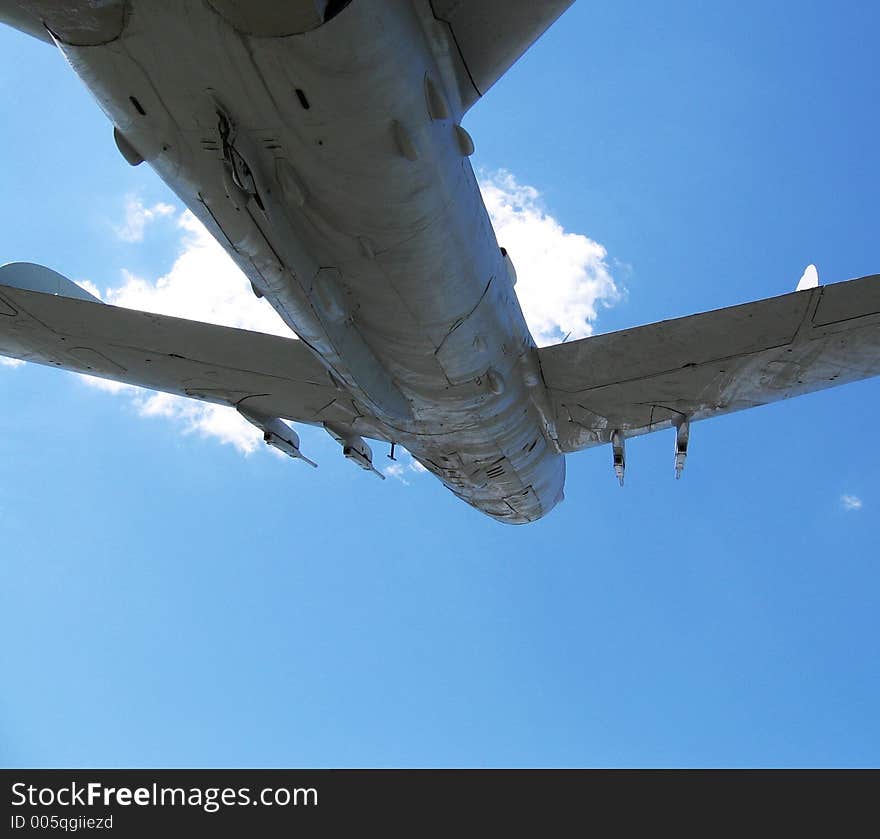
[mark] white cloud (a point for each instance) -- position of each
(137, 217)
(396, 471)
(562, 277)
(404, 467)
(10, 362)
(851, 502)
(219, 421)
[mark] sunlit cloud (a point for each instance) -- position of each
(563, 278)
(397, 471)
(851, 502)
(404, 468)
(204, 418)
(138, 216)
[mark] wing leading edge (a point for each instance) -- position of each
(47, 319)
(606, 388)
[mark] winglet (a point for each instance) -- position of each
(809, 279)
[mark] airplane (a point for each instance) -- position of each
(320, 142)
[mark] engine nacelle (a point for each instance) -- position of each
(357, 450)
(354, 448)
(281, 436)
(276, 433)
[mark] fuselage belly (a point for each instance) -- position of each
(332, 167)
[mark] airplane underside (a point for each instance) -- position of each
(321, 144)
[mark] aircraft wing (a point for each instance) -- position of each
(492, 34)
(46, 318)
(664, 375)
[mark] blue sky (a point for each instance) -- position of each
(168, 600)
